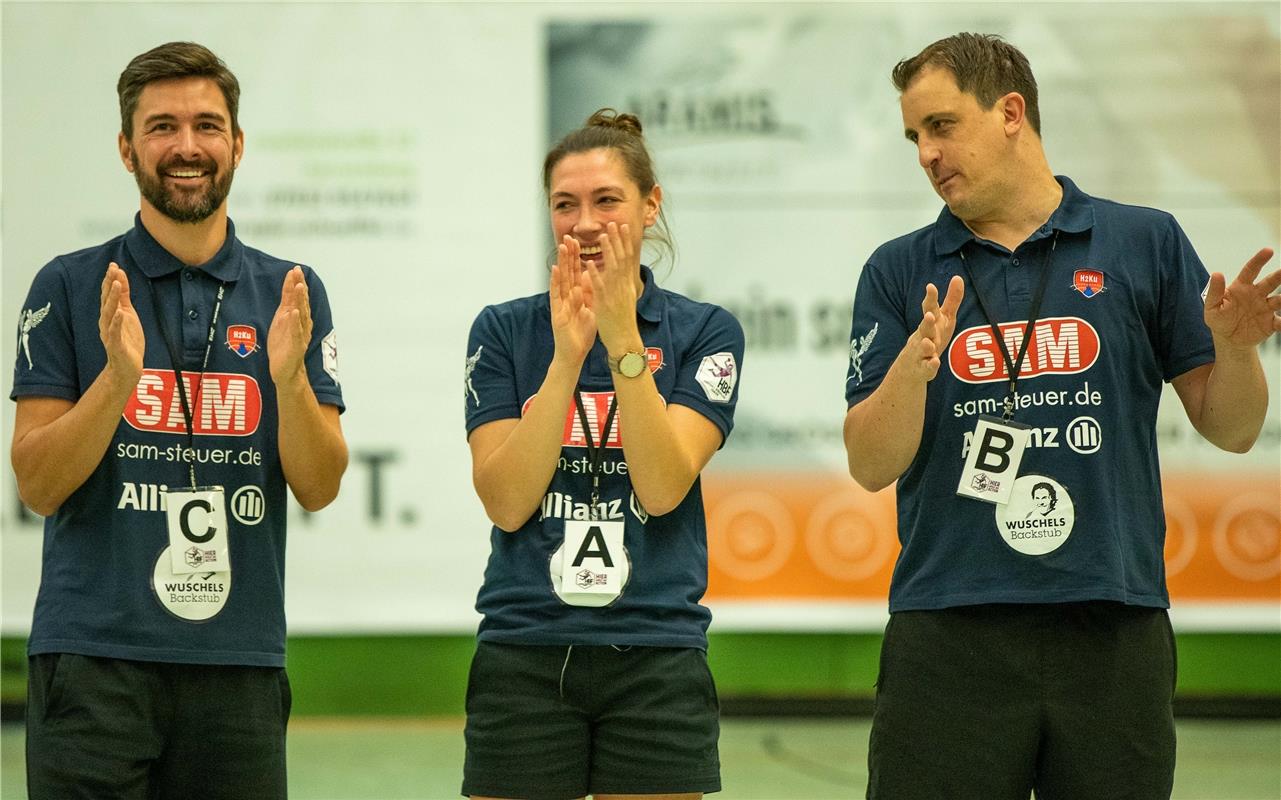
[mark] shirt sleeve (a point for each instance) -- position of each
(709, 370)
(878, 332)
(489, 374)
(322, 353)
(46, 350)
(1184, 341)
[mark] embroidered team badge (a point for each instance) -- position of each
(858, 349)
(468, 369)
(27, 321)
(1089, 282)
(242, 339)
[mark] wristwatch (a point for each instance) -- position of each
(629, 364)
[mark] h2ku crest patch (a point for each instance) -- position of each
(858, 349)
(1089, 282)
(27, 321)
(717, 374)
(242, 339)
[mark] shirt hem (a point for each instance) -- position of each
(594, 640)
(135, 653)
(1025, 598)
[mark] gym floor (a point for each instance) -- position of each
(762, 759)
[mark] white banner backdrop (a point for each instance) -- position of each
(396, 148)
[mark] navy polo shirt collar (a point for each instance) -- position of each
(1074, 215)
(650, 304)
(156, 262)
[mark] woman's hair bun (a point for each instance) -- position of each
(609, 118)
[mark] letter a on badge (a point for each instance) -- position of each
(594, 546)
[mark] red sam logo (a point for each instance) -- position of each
(1061, 346)
(242, 339)
(596, 406)
(1088, 282)
(226, 405)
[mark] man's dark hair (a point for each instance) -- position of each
(174, 60)
(984, 65)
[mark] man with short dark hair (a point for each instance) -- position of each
(170, 383)
(1031, 651)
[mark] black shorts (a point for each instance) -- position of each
(559, 722)
(138, 730)
(991, 702)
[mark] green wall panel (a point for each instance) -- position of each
(416, 676)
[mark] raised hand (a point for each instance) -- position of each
(924, 348)
(119, 327)
(290, 332)
(573, 320)
(615, 287)
(1244, 313)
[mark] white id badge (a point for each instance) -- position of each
(198, 530)
(993, 461)
(594, 566)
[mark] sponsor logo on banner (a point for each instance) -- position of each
(596, 406)
(1088, 282)
(242, 339)
(1060, 346)
(227, 404)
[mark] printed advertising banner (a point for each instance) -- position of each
(396, 149)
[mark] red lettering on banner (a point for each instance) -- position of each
(1060, 346)
(226, 405)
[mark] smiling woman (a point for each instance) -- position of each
(593, 636)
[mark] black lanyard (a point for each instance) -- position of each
(1014, 365)
(190, 453)
(595, 453)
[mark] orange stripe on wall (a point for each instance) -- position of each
(819, 536)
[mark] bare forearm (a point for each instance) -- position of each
(660, 468)
(513, 478)
(883, 432)
(1235, 400)
(313, 453)
(56, 448)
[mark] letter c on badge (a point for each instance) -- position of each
(186, 527)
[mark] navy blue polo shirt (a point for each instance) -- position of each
(1122, 313)
(509, 351)
(97, 596)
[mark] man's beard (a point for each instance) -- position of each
(178, 205)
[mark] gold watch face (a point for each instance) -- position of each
(631, 364)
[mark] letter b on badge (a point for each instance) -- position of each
(993, 461)
(994, 450)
